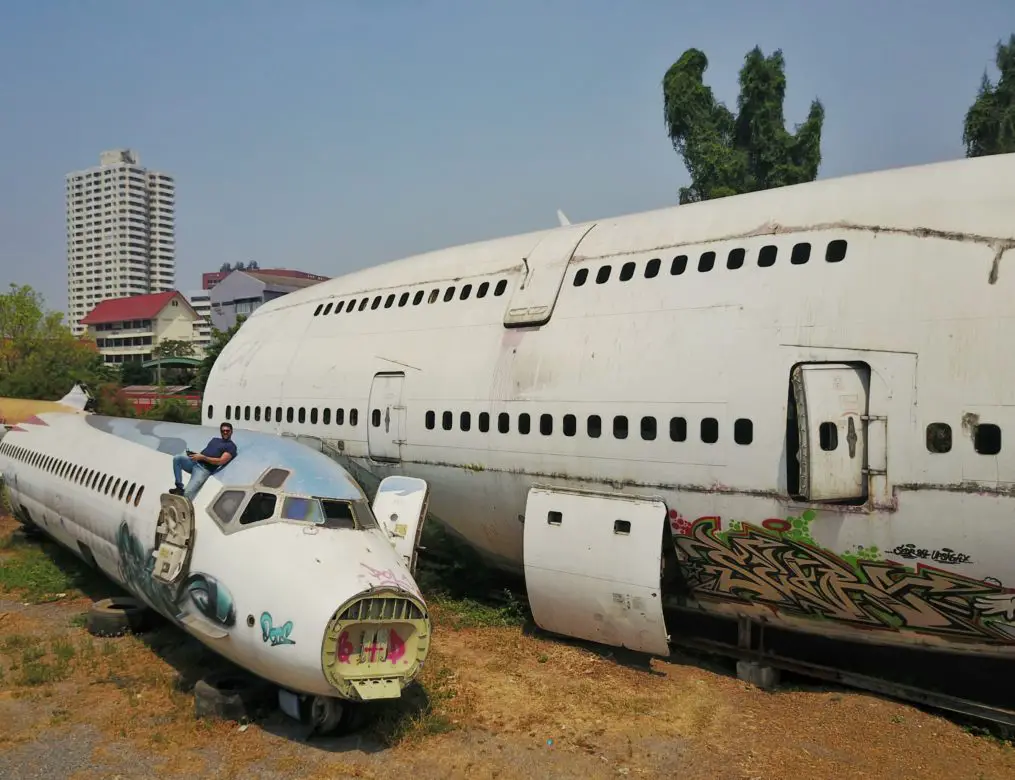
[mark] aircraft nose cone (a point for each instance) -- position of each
(375, 644)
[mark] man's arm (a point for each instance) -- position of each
(221, 460)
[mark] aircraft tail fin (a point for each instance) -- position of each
(77, 399)
(562, 218)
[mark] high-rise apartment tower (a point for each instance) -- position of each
(121, 233)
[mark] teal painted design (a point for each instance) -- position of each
(202, 592)
(276, 635)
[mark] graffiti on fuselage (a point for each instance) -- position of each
(790, 573)
(199, 592)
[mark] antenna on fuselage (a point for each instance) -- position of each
(564, 221)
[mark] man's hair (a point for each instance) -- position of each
(225, 425)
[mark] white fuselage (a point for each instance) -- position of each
(659, 369)
(262, 594)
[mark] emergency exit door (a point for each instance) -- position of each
(827, 418)
(386, 418)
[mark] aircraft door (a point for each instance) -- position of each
(400, 507)
(386, 420)
(829, 402)
(533, 300)
(174, 539)
(593, 566)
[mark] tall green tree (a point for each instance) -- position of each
(39, 356)
(729, 154)
(219, 339)
(990, 122)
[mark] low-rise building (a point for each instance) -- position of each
(201, 301)
(242, 292)
(128, 329)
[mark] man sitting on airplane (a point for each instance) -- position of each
(201, 465)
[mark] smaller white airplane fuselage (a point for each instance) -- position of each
(279, 563)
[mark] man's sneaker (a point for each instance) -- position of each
(176, 491)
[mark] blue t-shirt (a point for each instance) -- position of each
(216, 447)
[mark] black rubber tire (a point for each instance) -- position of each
(117, 615)
(232, 696)
(354, 717)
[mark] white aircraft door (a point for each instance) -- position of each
(533, 300)
(386, 418)
(593, 565)
(400, 507)
(831, 408)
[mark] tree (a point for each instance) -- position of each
(133, 372)
(174, 410)
(171, 348)
(219, 339)
(727, 154)
(39, 356)
(990, 122)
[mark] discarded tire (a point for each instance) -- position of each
(115, 616)
(230, 696)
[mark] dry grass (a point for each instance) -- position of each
(493, 702)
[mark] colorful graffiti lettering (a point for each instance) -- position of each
(345, 648)
(395, 648)
(751, 564)
(277, 635)
(944, 555)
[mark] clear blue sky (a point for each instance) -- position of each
(327, 136)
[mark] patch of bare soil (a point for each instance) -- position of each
(499, 703)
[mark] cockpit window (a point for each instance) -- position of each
(226, 505)
(305, 509)
(338, 514)
(274, 478)
(329, 512)
(261, 507)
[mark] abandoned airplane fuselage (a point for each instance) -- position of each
(803, 392)
(278, 563)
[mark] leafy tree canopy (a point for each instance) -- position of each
(990, 122)
(173, 348)
(39, 356)
(730, 155)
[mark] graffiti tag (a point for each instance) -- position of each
(754, 565)
(276, 635)
(388, 577)
(944, 555)
(395, 648)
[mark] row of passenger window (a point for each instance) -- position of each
(350, 305)
(116, 488)
(986, 438)
(296, 414)
(835, 252)
(743, 428)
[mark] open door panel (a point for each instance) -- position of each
(400, 507)
(831, 407)
(592, 567)
(174, 537)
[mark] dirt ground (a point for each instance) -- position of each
(500, 703)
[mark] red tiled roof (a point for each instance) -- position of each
(134, 307)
